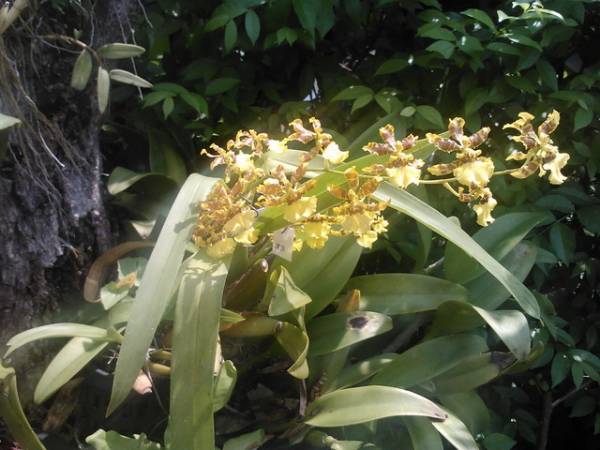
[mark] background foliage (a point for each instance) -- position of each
(220, 66)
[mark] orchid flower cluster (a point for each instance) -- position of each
(230, 213)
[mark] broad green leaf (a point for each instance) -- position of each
(82, 70)
(422, 434)
(433, 219)
(157, 285)
(111, 440)
(497, 441)
(216, 22)
(121, 179)
(196, 101)
(444, 48)
(8, 121)
(559, 369)
(470, 409)
(296, 344)
(11, 412)
(77, 353)
(195, 333)
(510, 325)
(435, 31)
(59, 330)
(361, 102)
(523, 40)
(455, 432)
(224, 385)
(547, 74)
(164, 157)
(429, 359)
(102, 88)
(498, 239)
(392, 66)
(306, 11)
(125, 77)
(285, 296)
(487, 292)
(248, 441)
(364, 404)
(252, 26)
(480, 16)
(588, 217)
(167, 107)
(120, 51)
(355, 373)
(352, 93)
(404, 293)
(583, 117)
(221, 85)
(333, 332)
(231, 35)
(431, 115)
(156, 97)
(562, 239)
(501, 47)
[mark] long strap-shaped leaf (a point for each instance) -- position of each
(196, 327)
(411, 206)
(157, 285)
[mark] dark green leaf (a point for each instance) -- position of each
(231, 35)
(444, 48)
(252, 25)
(392, 66)
(480, 16)
(221, 85)
(583, 118)
(430, 115)
(562, 239)
(588, 217)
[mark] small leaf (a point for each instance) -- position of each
(352, 92)
(122, 76)
(306, 11)
(582, 119)
(221, 85)
(285, 296)
(523, 40)
(231, 35)
(120, 51)
(480, 16)
(82, 70)
(364, 404)
(560, 368)
(547, 74)
(562, 239)
(167, 107)
(103, 89)
(444, 48)
(196, 101)
(408, 111)
(392, 66)
(156, 97)
(361, 102)
(216, 22)
(252, 25)
(431, 115)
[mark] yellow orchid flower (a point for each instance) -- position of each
(333, 154)
(301, 209)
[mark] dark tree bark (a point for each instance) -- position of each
(53, 219)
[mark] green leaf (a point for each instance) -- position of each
(285, 296)
(431, 115)
(470, 409)
(111, 440)
(559, 369)
(164, 157)
(77, 353)
(252, 26)
(480, 16)
(352, 93)
(547, 74)
(246, 441)
(224, 385)
(456, 433)
(422, 434)
(125, 77)
(583, 406)
(392, 66)
(82, 70)
(562, 239)
(306, 11)
(59, 330)
(583, 118)
(157, 285)
(195, 332)
(339, 330)
(361, 102)
(510, 325)
(120, 51)
(444, 48)
(588, 217)
(497, 441)
(403, 293)
(216, 22)
(221, 85)
(12, 413)
(111, 294)
(507, 49)
(429, 359)
(422, 212)
(487, 292)
(231, 36)
(498, 239)
(523, 40)
(296, 344)
(102, 89)
(122, 179)
(168, 107)
(364, 404)
(360, 371)
(196, 101)
(8, 121)
(435, 31)
(156, 97)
